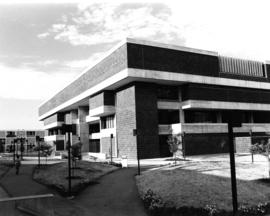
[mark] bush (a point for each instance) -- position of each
(156, 206)
(153, 202)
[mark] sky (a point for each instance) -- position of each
(43, 45)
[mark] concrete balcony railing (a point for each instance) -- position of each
(102, 111)
(211, 128)
(95, 136)
(54, 138)
(91, 119)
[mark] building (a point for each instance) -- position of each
(159, 89)
(8, 139)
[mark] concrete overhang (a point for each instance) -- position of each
(222, 105)
(159, 77)
(53, 125)
(91, 120)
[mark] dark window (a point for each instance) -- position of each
(11, 134)
(167, 92)
(94, 145)
(94, 128)
(261, 117)
(60, 145)
(30, 133)
(107, 122)
(194, 116)
(240, 116)
(2, 145)
(168, 116)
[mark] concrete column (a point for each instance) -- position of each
(181, 111)
(251, 119)
(219, 117)
(83, 129)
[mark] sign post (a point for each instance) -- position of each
(233, 120)
(135, 133)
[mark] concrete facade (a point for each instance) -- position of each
(141, 92)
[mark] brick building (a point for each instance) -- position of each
(159, 89)
(7, 138)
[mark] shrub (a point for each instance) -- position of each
(153, 202)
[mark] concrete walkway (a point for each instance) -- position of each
(116, 194)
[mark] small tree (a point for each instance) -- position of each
(262, 148)
(45, 148)
(76, 152)
(175, 145)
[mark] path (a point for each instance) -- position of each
(116, 194)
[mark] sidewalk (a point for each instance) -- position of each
(116, 194)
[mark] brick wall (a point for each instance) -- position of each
(83, 128)
(104, 69)
(137, 109)
(104, 98)
(105, 143)
(3, 134)
(242, 144)
(147, 120)
(54, 118)
(126, 122)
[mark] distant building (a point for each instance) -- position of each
(159, 89)
(10, 138)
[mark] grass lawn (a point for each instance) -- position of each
(56, 175)
(5, 165)
(193, 185)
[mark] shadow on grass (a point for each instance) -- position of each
(55, 177)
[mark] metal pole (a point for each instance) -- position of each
(69, 165)
(183, 145)
(138, 154)
(232, 163)
(21, 148)
(111, 147)
(38, 153)
(252, 158)
(14, 150)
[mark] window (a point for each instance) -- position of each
(168, 116)
(11, 134)
(107, 122)
(94, 128)
(192, 116)
(30, 133)
(94, 145)
(60, 146)
(167, 92)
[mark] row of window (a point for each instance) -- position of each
(13, 133)
(203, 116)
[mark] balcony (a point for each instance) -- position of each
(53, 122)
(102, 111)
(54, 138)
(92, 120)
(95, 136)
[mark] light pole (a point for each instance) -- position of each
(68, 130)
(14, 141)
(37, 140)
